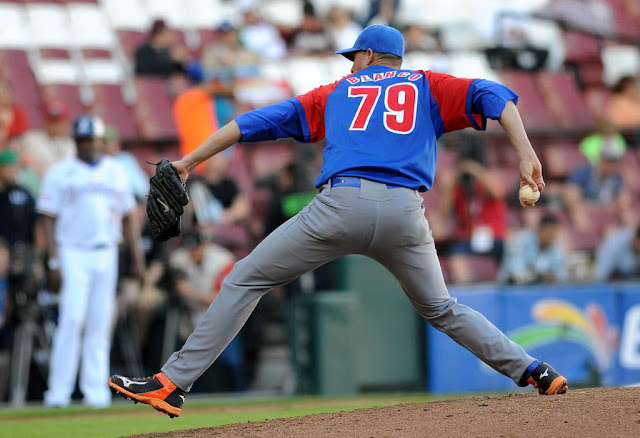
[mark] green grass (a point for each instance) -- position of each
(124, 419)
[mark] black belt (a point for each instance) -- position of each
(354, 181)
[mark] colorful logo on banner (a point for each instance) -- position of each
(561, 320)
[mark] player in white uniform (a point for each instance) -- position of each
(86, 203)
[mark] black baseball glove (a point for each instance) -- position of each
(165, 202)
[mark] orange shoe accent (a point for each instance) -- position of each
(153, 398)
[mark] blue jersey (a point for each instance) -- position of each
(381, 123)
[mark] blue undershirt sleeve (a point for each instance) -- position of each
(489, 98)
(280, 120)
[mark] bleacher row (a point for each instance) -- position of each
(81, 52)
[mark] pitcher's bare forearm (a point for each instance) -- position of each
(530, 168)
(223, 138)
(512, 125)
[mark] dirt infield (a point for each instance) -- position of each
(598, 412)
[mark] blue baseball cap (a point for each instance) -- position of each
(379, 38)
(88, 126)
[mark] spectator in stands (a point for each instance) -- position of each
(196, 113)
(4, 271)
(601, 184)
(16, 119)
(41, 149)
(260, 37)
(381, 12)
(618, 257)
(418, 39)
(158, 56)
(138, 179)
(217, 199)
(342, 28)
(605, 137)
(18, 217)
(200, 267)
(476, 198)
(535, 256)
(623, 109)
(311, 36)
(226, 58)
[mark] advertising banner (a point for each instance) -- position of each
(590, 333)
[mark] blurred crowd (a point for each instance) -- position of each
(585, 227)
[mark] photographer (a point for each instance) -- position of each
(17, 232)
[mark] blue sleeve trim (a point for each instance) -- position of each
(488, 98)
(469, 109)
(302, 116)
(436, 118)
(280, 120)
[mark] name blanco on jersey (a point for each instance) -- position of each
(412, 76)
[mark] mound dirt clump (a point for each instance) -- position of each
(597, 412)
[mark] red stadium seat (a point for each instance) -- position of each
(110, 105)
(580, 47)
(96, 54)
(582, 240)
(533, 109)
(626, 28)
(591, 73)
(130, 40)
(482, 268)
(561, 159)
(596, 99)
(14, 65)
(70, 94)
(153, 111)
(563, 98)
(50, 53)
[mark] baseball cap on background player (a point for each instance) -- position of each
(379, 38)
(88, 126)
(56, 110)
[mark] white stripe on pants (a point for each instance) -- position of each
(87, 301)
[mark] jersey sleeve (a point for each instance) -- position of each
(466, 103)
(301, 118)
(280, 120)
(50, 197)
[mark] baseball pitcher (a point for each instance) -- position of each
(381, 124)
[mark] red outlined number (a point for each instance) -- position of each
(400, 100)
(369, 98)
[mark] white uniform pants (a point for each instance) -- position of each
(87, 301)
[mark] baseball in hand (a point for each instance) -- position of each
(528, 196)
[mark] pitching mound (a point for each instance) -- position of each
(599, 412)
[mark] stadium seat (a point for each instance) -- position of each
(309, 73)
(153, 113)
(582, 240)
(591, 74)
(620, 61)
(130, 40)
(626, 28)
(471, 65)
(482, 268)
(14, 30)
(50, 25)
(580, 47)
(561, 159)
(535, 113)
(596, 99)
(69, 93)
(268, 158)
(127, 14)
(172, 11)
(14, 66)
(563, 98)
(49, 53)
(110, 105)
(90, 26)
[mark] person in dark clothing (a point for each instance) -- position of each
(157, 57)
(18, 218)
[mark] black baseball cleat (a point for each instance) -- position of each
(547, 380)
(157, 391)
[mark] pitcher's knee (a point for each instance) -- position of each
(434, 311)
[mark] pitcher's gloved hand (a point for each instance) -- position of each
(165, 202)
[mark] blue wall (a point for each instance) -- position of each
(589, 333)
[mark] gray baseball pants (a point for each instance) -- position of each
(385, 224)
